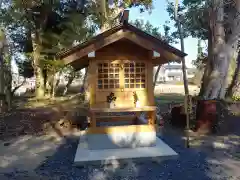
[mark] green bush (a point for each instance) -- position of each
(236, 98)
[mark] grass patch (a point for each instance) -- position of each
(169, 97)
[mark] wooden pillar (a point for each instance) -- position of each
(151, 117)
(93, 123)
(91, 80)
(150, 90)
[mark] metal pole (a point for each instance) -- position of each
(187, 105)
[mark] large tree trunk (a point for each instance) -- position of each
(234, 88)
(8, 81)
(3, 45)
(39, 84)
(208, 65)
(48, 84)
(83, 88)
(56, 83)
(8, 78)
(220, 54)
(103, 12)
(2, 93)
(52, 82)
(223, 50)
(219, 58)
(70, 80)
(109, 15)
(4, 78)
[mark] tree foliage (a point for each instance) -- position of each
(39, 29)
(155, 31)
(201, 59)
(193, 16)
(109, 13)
(60, 24)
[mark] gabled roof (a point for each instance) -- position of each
(121, 31)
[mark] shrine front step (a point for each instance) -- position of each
(114, 137)
(121, 140)
(84, 155)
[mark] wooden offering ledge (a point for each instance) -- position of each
(131, 109)
(121, 129)
(151, 111)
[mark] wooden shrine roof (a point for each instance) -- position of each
(122, 31)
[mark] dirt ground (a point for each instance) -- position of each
(33, 117)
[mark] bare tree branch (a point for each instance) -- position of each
(17, 87)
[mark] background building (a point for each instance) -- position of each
(173, 72)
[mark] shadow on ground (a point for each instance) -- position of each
(229, 119)
(191, 164)
(34, 117)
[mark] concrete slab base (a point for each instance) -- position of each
(120, 140)
(161, 151)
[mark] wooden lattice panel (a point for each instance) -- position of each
(108, 75)
(134, 75)
(112, 75)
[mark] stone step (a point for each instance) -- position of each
(84, 155)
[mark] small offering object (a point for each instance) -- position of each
(138, 104)
(136, 100)
(111, 100)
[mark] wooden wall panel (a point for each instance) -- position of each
(124, 50)
(124, 99)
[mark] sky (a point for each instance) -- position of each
(157, 18)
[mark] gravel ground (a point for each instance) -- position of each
(193, 163)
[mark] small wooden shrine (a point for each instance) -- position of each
(120, 65)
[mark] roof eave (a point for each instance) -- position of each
(66, 52)
(123, 26)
